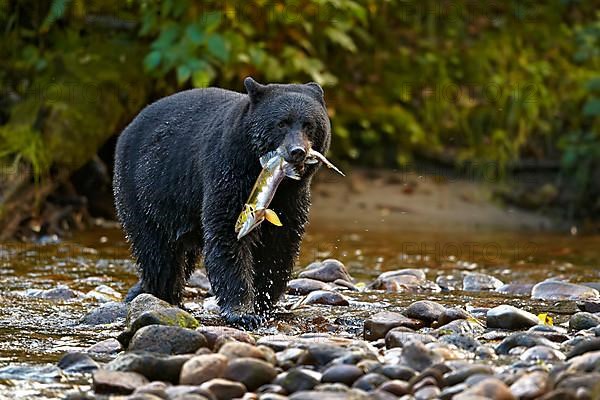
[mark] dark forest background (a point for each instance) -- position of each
(460, 84)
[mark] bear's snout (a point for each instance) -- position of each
(297, 154)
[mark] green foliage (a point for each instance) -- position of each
(20, 142)
(462, 81)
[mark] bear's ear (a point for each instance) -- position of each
(315, 87)
(254, 89)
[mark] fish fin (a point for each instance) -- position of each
(264, 160)
(272, 217)
(316, 155)
(291, 172)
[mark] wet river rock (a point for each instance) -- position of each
(144, 302)
(200, 369)
(557, 290)
(326, 271)
(217, 335)
(251, 372)
(425, 310)
(104, 381)
(583, 320)
(509, 317)
(326, 297)
(475, 281)
(167, 340)
(106, 313)
(303, 286)
(152, 365)
(404, 280)
(377, 326)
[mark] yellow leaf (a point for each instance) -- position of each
(545, 319)
(272, 217)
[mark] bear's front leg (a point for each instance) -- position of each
(229, 266)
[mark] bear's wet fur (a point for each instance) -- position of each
(184, 168)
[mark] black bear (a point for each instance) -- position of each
(184, 168)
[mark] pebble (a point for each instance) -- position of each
(486, 388)
(585, 346)
(370, 382)
(398, 372)
(475, 281)
(116, 382)
(106, 313)
(303, 286)
(233, 350)
(590, 306)
(224, 389)
(522, 339)
(60, 292)
(203, 368)
(396, 387)
(326, 297)
(77, 362)
(531, 385)
(427, 393)
(583, 320)
(509, 317)
(188, 392)
(151, 365)
(326, 271)
(172, 316)
(398, 337)
(457, 376)
(404, 280)
(378, 325)
(167, 340)
(143, 303)
(251, 372)
(469, 326)
(557, 290)
(105, 347)
(425, 310)
(586, 362)
(542, 353)
(462, 341)
(418, 357)
(297, 379)
(452, 314)
(216, 335)
(199, 280)
(516, 289)
(103, 294)
(157, 388)
(342, 373)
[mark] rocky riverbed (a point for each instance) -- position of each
(335, 337)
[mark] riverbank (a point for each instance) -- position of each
(389, 200)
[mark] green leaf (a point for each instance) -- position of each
(183, 74)
(202, 78)
(211, 20)
(58, 9)
(341, 38)
(194, 33)
(218, 47)
(592, 107)
(593, 85)
(152, 60)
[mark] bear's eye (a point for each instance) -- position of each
(307, 126)
(281, 124)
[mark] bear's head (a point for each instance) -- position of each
(291, 116)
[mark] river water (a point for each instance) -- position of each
(35, 332)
